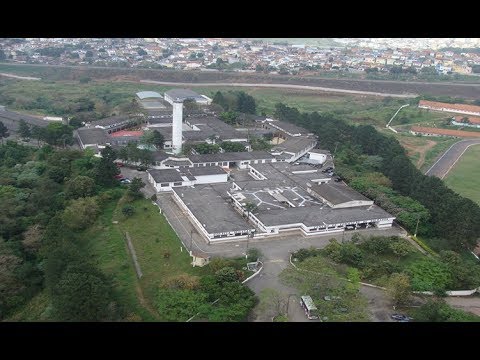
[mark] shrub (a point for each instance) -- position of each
(253, 254)
(429, 275)
(218, 263)
(182, 281)
(128, 210)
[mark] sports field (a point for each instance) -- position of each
(465, 175)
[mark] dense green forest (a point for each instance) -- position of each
(50, 200)
(47, 197)
(378, 166)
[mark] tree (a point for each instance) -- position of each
(400, 248)
(123, 154)
(245, 103)
(81, 213)
(58, 134)
(229, 146)
(205, 148)
(158, 140)
(250, 208)
(153, 138)
(3, 131)
(2, 55)
(24, 129)
(229, 117)
(105, 169)
(81, 295)
(272, 301)
(128, 210)
(437, 310)
(80, 186)
(179, 305)
(399, 288)
(219, 99)
(226, 274)
(135, 186)
(38, 133)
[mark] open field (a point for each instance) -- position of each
(463, 177)
(19, 95)
(423, 151)
(157, 246)
(50, 72)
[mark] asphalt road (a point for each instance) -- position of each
(446, 162)
(282, 86)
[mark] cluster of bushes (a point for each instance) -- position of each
(378, 257)
(217, 297)
(48, 198)
(459, 228)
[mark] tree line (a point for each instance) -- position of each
(453, 219)
(48, 197)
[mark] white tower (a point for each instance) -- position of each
(177, 126)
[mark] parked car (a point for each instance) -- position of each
(141, 168)
(119, 176)
(125, 181)
(401, 317)
(119, 164)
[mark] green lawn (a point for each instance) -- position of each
(463, 178)
(154, 240)
(106, 243)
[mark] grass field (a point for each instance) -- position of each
(157, 246)
(463, 178)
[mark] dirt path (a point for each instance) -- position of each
(283, 86)
(422, 150)
(144, 302)
(470, 304)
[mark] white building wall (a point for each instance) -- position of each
(320, 157)
(177, 127)
(211, 179)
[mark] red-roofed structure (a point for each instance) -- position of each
(455, 108)
(126, 133)
(429, 131)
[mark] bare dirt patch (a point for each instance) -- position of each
(414, 147)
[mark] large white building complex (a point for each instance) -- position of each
(240, 195)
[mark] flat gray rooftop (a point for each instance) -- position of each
(320, 216)
(291, 128)
(148, 95)
(338, 193)
(295, 144)
(91, 136)
(152, 105)
(184, 94)
(232, 156)
(166, 175)
(11, 120)
(211, 206)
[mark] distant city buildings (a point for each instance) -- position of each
(250, 55)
